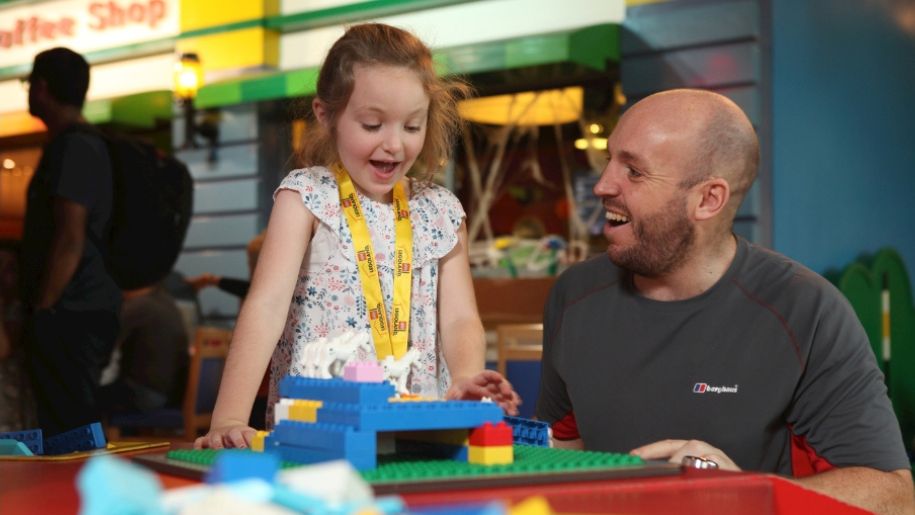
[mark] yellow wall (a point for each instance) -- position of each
(242, 49)
(250, 46)
(200, 14)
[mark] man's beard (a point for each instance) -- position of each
(663, 241)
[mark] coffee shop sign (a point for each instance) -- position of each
(82, 25)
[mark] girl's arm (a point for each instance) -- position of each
(463, 338)
(260, 321)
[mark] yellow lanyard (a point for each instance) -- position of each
(390, 339)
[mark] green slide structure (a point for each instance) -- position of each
(880, 292)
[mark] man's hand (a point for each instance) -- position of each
(232, 434)
(487, 383)
(674, 451)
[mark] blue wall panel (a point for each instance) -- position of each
(843, 129)
(711, 67)
(653, 28)
(720, 45)
(236, 123)
(227, 208)
(232, 161)
(223, 196)
(221, 231)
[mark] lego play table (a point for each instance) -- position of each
(49, 487)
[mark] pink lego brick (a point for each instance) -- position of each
(363, 372)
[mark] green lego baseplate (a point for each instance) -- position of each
(396, 473)
(527, 460)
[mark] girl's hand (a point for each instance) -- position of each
(487, 383)
(232, 434)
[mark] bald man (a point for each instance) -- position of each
(685, 340)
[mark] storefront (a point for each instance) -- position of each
(130, 45)
(260, 60)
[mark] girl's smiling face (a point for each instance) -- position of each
(382, 129)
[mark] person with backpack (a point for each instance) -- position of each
(73, 301)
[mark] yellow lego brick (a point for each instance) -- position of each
(494, 455)
(257, 443)
(304, 410)
(536, 505)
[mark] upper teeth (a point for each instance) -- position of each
(616, 217)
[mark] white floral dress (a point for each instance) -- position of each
(328, 297)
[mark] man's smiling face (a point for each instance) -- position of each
(648, 226)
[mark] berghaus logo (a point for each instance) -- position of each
(707, 388)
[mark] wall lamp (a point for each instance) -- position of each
(188, 80)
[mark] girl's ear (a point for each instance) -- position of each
(320, 112)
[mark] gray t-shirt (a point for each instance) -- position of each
(771, 354)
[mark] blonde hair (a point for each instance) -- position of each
(380, 44)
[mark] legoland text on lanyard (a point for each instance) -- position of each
(390, 338)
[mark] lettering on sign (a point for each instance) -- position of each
(113, 14)
(82, 25)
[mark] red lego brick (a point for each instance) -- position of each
(489, 435)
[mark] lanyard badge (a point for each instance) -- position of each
(389, 333)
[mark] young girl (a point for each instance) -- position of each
(359, 246)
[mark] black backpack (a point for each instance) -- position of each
(151, 210)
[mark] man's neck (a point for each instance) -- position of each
(62, 118)
(699, 272)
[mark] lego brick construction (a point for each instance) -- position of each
(409, 471)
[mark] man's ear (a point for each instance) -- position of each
(39, 86)
(320, 112)
(715, 194)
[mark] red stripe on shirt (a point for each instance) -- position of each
(804, 460)
(566, 428)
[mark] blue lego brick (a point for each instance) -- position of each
(360, 461)
(305, 442)
(10, 447)
(235, 465)
(296, 501)
(336, 390)
(85, 438)
(395, 416)
(109, 485)
(529, 432)
(270, 443)
(324, 436)
(32, 438)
